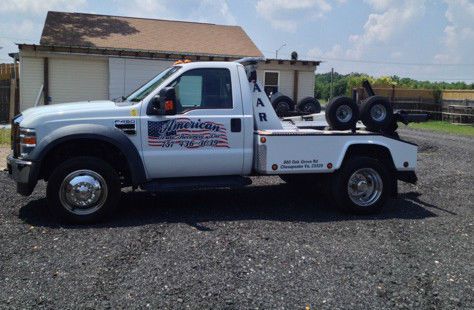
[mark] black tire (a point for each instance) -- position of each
(309, 105)
(108, 197)
(368, 113)
(339, 107)
(340, 185)
(282, 104)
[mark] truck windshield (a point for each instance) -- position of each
(151, 85)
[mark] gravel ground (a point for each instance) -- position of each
(265, 246)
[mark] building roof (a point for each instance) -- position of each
(141, 34)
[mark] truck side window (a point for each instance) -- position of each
(203, 89)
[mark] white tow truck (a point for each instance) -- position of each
(203, 124)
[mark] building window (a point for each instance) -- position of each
(271, 82)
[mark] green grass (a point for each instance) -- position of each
(445, 127)
(4, 136)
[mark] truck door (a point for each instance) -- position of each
(205, 137)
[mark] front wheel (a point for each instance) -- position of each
(83, 190)
(362, 185)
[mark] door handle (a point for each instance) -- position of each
(235, 125)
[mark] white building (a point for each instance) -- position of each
(90, 57)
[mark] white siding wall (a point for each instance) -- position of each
(116, 77)
(305, 84)
(126, 75)
(285, 83)
(287, 77)
(31, 79)
(77, 79)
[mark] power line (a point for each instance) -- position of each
(397, 63)
(418, 77)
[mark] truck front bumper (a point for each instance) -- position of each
(24, 173)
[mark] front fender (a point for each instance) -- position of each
(111, 135)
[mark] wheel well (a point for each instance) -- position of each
(378, 152)
(86, 147)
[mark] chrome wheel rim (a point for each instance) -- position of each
(378, 113)
(365, 187)
(83, 192)
(344, 113)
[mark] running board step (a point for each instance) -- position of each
(196, 182)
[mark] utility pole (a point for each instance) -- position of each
(276, 52)
(331, 89)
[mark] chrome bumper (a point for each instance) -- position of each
(23, 173)
(19, 169)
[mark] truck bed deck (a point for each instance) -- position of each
(314, 124)
(306, 145)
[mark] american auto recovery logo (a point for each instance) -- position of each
(187, 133)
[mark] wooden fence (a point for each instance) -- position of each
(8, 88)
(4, 101)
(454, 106)
(426, 95)
(458, 95)
(8, 71)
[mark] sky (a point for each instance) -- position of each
(421, 39)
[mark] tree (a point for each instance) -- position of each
(343, 84)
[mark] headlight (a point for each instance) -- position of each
(27, 141)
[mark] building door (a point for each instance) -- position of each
(77, 79)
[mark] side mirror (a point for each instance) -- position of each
(164, 103)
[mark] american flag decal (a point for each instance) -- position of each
(184, 132)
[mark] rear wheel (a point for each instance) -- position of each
(362, 185)
(83, 190)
